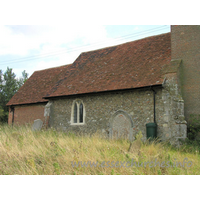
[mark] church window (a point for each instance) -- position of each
(78, 113)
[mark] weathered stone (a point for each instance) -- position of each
(47, 109)
(125, 113)
(121, 126)
(136, 109)
(172, 68)
(47, 113)
(37, 125)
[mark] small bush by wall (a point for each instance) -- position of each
(193, 130)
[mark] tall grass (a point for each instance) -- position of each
(23, 151)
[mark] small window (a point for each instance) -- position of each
(78, 112)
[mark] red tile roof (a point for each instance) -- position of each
(37, 86)
(130, 65)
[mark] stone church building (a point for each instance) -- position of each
(118, 90)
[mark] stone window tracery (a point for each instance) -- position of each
(78, 113)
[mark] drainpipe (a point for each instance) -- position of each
(154, 104)
(151, 128)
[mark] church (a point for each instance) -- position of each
(118, 90)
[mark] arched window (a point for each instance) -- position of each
(78, 112)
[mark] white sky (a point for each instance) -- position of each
(39, 47)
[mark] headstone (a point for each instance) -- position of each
(37, 125)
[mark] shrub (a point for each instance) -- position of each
(193, 127)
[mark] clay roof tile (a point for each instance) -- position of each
(130, 65)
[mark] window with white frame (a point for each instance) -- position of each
(78, 112)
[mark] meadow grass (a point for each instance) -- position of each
(49, 152)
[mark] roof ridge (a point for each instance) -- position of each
(148, 37)
(53, 67)
(116, 67)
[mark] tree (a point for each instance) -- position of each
(1, 82)
(9, 85)
(22, 80)
(1, 96)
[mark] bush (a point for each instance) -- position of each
(193, 127)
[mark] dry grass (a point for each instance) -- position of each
(50, 152)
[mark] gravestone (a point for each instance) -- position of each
(37, 125)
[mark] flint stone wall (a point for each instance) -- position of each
(136, 104)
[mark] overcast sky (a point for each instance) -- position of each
(39, 47)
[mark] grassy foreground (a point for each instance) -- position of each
(50, 152)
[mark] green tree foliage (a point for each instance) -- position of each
(22, 80)
(9, 85)
(1, 96)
